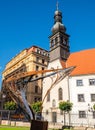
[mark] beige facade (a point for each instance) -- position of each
(31, 59)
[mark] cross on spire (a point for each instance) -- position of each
(57, 5)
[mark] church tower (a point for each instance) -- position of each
(59, 40)
(59, 53)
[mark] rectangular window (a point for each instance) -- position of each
(92, 97)
(37, 59)
(38, 51)
(91, 81)
(79, 83)
(37, 68)
(80, 97)
(43, 68)
(82, 114)
(43, 61)
(36, 89)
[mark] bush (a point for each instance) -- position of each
(10, 105)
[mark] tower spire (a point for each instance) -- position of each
(59, 45)
(57, 4)
(58, 25)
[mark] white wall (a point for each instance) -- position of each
(54, 91)
(85, 89)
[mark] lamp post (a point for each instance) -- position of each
(90, 109)
(3, 100)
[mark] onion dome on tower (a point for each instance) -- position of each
(58, 26)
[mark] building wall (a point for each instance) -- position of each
(86, 89)
(32, 59)
(52, 105)
(71, 90)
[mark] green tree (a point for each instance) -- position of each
(37, 106)
(10, 105)
(66, 106)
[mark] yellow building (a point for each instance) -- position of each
(31, 59)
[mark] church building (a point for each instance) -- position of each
(78, 87)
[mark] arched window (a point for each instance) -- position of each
(60, 94)
(48, 97)
(52, 43)
(56, 40)
(61, 40)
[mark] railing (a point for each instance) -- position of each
(11, 115)
(57, 121)
(72, 119)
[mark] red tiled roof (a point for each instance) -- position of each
(32, 49)
(84, 62)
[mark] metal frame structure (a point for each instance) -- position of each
(16, 85)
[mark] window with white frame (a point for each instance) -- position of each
(82, 114)
(92, 97)
(80, 97)
(79, 82)
(91, 81)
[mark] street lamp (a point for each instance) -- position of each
(3, 100)
(90, 109)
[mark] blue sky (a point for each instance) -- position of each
(24, 23)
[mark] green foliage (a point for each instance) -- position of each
(37, 106)
(13, 128)
(65, 106)
(94, 107)
(10, 105)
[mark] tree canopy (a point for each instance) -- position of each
(65, 106)
(10, 105)
(37, 106)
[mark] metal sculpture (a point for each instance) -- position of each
(15, 86)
